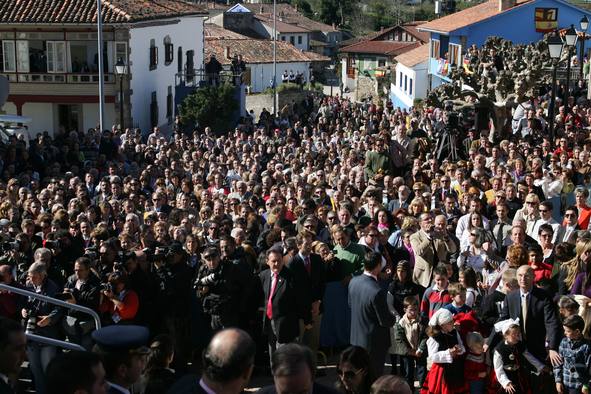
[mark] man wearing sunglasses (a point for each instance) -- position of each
(570, 226)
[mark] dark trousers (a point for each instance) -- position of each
(411, 369)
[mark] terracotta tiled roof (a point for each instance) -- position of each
(259, 51)
(84, 11)
(217, 32)
(414, 56)
(390, 48)
(410, 27)
(467, 17)
(289, 14)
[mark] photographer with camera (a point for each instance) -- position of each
(119, 303)
(16, 252)
(218, 288)
(82, 288)
(41, 318)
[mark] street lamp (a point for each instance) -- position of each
(555, 45)
(121, 70)
(584, 25)
(570, 39)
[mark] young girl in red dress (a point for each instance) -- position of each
(446, 350)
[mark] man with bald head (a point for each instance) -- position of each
(228, 362)
(537, 317)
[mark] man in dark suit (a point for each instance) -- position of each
(285, 303)
(228, 362)
(570, 230)
(370, 318)
(293, 369)
(310, 274)
(76, 372)
(13, 346)
(537, 317)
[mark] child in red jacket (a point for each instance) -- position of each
(475, 366)
(542, 271)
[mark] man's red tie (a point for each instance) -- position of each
(308, 265)
(271, 293)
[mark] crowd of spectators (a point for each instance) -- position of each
(266, 228)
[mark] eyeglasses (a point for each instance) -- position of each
(372, 235)
(348, 374)
(570, 215)
(531, 203)
(543, 210)
(209, 257)
(473, 234)
(331, 217)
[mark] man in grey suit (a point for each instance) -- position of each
(370, 318)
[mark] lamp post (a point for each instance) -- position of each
(570, 39)
(121, 70)
(555, 45)
(275, 58)
(99, 28)
(584, 25)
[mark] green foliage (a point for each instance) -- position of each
(210, 106)
(315, 86)
(380, 15)
(304, 7)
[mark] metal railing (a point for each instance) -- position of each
(54, 301)
(199, 78)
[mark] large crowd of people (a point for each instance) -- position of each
(335, 225)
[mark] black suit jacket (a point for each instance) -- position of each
(542, 321)
(188, 384)
(5, 388)
(312, 284)
(316, 389)
(289, 305)
(370, 318)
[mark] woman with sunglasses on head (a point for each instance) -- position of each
(354, 371)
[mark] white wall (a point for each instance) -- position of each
(347, 82)
(418, 74)
(261, 73)
(304, 46)
(188, 34)
(9, 108)
(42, 114)
(90, 115)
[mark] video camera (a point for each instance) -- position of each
(10, 245)
(160, 253)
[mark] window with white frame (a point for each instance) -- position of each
(410, 87)
(455, 51)
(435, 49)
(406, 83)
(8, 56)
(22, 56)
(56, 56)
(400, 80)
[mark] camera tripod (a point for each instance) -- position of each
(447, 143)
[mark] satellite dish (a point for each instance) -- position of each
(4, 89)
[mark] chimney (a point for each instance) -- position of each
(227, 52)
(505, 4)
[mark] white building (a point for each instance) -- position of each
(258, 55)
(50, 57)
(411, 77)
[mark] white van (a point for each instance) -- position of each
(14, 125)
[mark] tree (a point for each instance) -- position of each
(211, 106)
(304, 7)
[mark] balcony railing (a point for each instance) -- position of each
(199, 78)
(75, 78)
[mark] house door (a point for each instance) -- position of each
(69, 116)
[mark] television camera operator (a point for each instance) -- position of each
(82, 288)
(218, 286)
(172, 302)
(16, 252)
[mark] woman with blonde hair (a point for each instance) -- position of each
(416, 207)
(570, 269)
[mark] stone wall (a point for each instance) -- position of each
(257, 102)
(366, 86)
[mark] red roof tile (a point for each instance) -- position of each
(84, 11)
(467, 17)
(289, 14)
(414, 56)
(282, 25)
(390, 48)
(212, 31)
(258, 51)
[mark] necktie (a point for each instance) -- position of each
(271, 293)
(500, 235)
(524, 310)
(307, 264)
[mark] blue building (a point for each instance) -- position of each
(523, 21)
